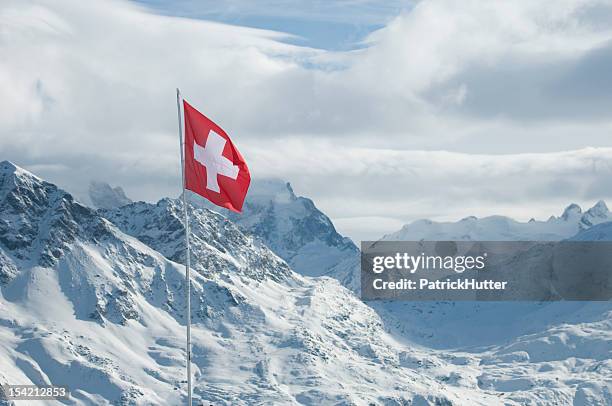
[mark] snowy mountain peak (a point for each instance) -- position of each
(7, 166)
(271, 189)
(9, 172)
(104, 196)
(599, 213)
(39, 220)
(600, 208)
(571, 211)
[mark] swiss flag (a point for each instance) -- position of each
(214, 168)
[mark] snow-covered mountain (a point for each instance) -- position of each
(297, 231)
(87, 305)
(94, 300)
(500, 228)
(104, 196)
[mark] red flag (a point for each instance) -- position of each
(214, 168)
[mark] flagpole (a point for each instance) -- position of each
(188, 259)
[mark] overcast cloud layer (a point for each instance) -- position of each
(452, 109)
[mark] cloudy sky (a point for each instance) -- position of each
(381, 112)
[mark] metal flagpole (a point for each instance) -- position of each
(188, 259)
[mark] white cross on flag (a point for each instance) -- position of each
(214, 168)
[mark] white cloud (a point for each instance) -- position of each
(88, 93)
(370, 190)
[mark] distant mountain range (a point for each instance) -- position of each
(500, 228)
